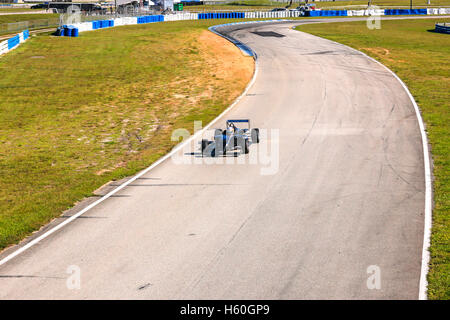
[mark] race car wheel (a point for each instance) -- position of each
(219, 141)
(210, 150)
(204, 145)
(217, 132)
(255, 135)
(244, 144)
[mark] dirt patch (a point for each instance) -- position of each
(222, 71)
(378, 50)
(233, 63)
(382, 53)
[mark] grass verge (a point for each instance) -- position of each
(421, 59)
(13, 10)
(11, 18)
(76, 113)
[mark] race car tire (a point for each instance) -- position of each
(217, 132)
(255, 135)
(205, 143)
(210, 150)
(244, 145)
(219, 144)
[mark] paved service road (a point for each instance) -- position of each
(343, 190)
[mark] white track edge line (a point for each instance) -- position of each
(423, 283)
(140, 174)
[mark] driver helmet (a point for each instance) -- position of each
(231, 127)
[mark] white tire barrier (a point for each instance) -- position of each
(14, 42)
(438, 11)
(3, 47)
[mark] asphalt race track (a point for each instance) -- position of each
(335, 186)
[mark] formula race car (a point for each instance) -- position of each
(231, 139)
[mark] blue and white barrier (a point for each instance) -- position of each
(326, 13)
(181, 16)
(75, 29)
(222, 15)
(269, 14)
(94, 25)
(396, 12)
(367, 12)
(150, 19)
(102, 24)
(14, 42)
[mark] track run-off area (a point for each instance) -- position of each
(335, 190)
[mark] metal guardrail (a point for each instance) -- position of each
(15, 27)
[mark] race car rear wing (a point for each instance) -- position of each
(239, 121)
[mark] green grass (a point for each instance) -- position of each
(26, 17)
(421, 59)
(6, 9)
(76, 113)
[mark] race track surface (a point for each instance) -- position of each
(339, 188)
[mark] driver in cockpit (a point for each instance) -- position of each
(231, 127)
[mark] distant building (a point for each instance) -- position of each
(167, 4)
